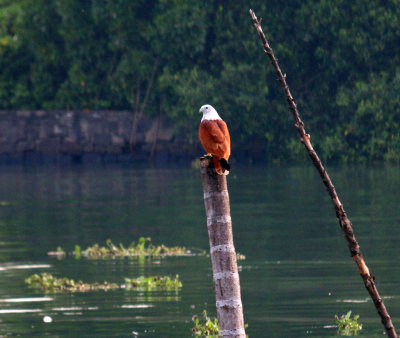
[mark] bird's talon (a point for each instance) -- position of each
(206, 156)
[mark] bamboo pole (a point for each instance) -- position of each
(222, 251)
(345, 224)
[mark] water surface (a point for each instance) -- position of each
(297, 275)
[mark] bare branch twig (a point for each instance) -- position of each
(344, 221)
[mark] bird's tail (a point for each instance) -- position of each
(225, 164)
(221, 166)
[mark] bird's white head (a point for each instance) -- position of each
(209, 113)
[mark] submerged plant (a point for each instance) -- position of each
(348, 326)
(48, 283)
(155, 282)
(206, 327)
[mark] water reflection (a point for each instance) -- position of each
(136, 306)
(9, 311)
(26, 300)
(24, 266)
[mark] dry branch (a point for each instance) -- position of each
(344, 221)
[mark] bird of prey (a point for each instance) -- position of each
(215, 139)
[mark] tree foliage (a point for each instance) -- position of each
(172, 56)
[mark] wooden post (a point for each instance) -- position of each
(344, 221)
(222, 251)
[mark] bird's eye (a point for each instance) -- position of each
(206, 107)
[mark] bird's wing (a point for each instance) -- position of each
(227, 143)
(214, 136)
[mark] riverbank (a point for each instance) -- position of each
(45, 137)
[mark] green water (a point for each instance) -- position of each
(298, 273)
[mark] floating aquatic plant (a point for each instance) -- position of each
(240, 257)
(142, 248)
(348, 326)
(48, 283)
(154, 282)
(205, 327)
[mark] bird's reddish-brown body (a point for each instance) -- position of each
(215, 139)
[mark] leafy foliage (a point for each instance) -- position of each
(348, 326)
(205, 327)
(169, 57)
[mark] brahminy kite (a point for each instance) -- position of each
(215, 139)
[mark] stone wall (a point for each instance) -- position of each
(78, 136)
